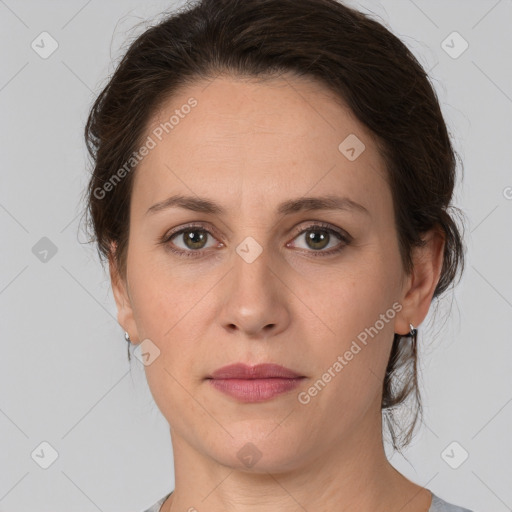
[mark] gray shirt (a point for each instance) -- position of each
(438, 505)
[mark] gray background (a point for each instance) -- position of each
(64, 373)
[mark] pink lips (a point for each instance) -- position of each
(254, 383)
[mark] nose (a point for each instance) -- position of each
(255, 301)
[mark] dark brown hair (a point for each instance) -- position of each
(356, 57)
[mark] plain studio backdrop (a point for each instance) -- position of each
(79, 430)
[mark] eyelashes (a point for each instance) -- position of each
(318, 234)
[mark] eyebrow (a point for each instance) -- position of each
(204, 205)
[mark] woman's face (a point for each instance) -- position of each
(263, 277)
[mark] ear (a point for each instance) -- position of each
(121, 295)
(419, 287)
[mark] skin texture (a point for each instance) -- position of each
(249, 146)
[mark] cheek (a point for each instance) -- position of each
(359, 311)
(164, 311)
(168, 305)
(161, 296)
(347, 304)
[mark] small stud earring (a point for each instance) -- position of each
(127, 337)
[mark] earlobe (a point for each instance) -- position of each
(422, 282)
(125, 315)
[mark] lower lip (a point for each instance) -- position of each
(255, 390)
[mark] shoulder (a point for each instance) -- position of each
(439, 505)
(156, 506)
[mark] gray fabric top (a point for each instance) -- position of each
(438, 505)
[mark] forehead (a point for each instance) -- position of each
(256, 138)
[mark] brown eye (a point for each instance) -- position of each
(189, 241)
(193, 238)
(319, 237)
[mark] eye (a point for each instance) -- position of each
(318, 237)
(190, 241)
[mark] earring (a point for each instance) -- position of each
(127, 337)
(412, 334)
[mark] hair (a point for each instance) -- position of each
(354, 56)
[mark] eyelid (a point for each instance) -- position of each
(311, 224)
(204, 226)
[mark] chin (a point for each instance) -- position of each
(268, 452)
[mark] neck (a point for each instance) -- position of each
(353, 474)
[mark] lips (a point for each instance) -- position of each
(254, 383)
(260, 371)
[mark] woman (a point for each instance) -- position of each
(271, 189)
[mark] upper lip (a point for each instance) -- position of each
(259, 371)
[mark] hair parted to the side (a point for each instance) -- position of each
(362, 62)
